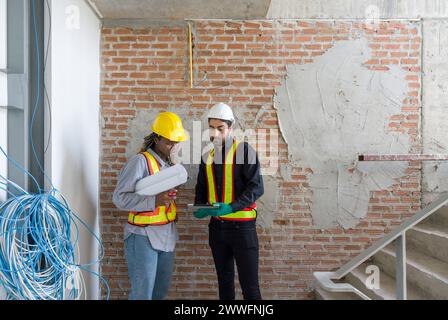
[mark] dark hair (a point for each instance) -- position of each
(229, 123)
(149, 141)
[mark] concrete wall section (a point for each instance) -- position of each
(271, 9)
(182, 9)
(334, 109)
(358, 9)
(435, 106)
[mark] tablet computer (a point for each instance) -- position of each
(192, 206)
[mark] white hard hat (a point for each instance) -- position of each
(221, 111)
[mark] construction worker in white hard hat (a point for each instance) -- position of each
(150, 232)
(229, 176)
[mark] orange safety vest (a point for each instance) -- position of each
(228, 195)
(161, 215)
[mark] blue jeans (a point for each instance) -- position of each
(149, 270)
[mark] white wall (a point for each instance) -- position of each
(3, 102)
(3, 131)
(2, 34)
(3, 94)
(74, 91)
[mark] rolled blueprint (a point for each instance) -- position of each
(162, 181)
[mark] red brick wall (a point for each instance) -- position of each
(242, 62)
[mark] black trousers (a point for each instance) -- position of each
(232, 242)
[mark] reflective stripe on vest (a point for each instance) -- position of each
(228, 194)
(160, 215)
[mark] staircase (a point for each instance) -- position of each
(421, 243)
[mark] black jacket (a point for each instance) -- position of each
(248, 181)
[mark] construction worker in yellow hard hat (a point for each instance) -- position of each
(169, 126)
(150, 234)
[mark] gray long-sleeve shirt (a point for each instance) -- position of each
(125, 198)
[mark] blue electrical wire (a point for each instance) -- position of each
(49, 223)
(39, 234)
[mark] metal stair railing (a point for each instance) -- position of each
(325, 279)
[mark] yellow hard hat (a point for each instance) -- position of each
(169, 125)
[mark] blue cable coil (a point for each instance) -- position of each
(39, 246)
(39, 235)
